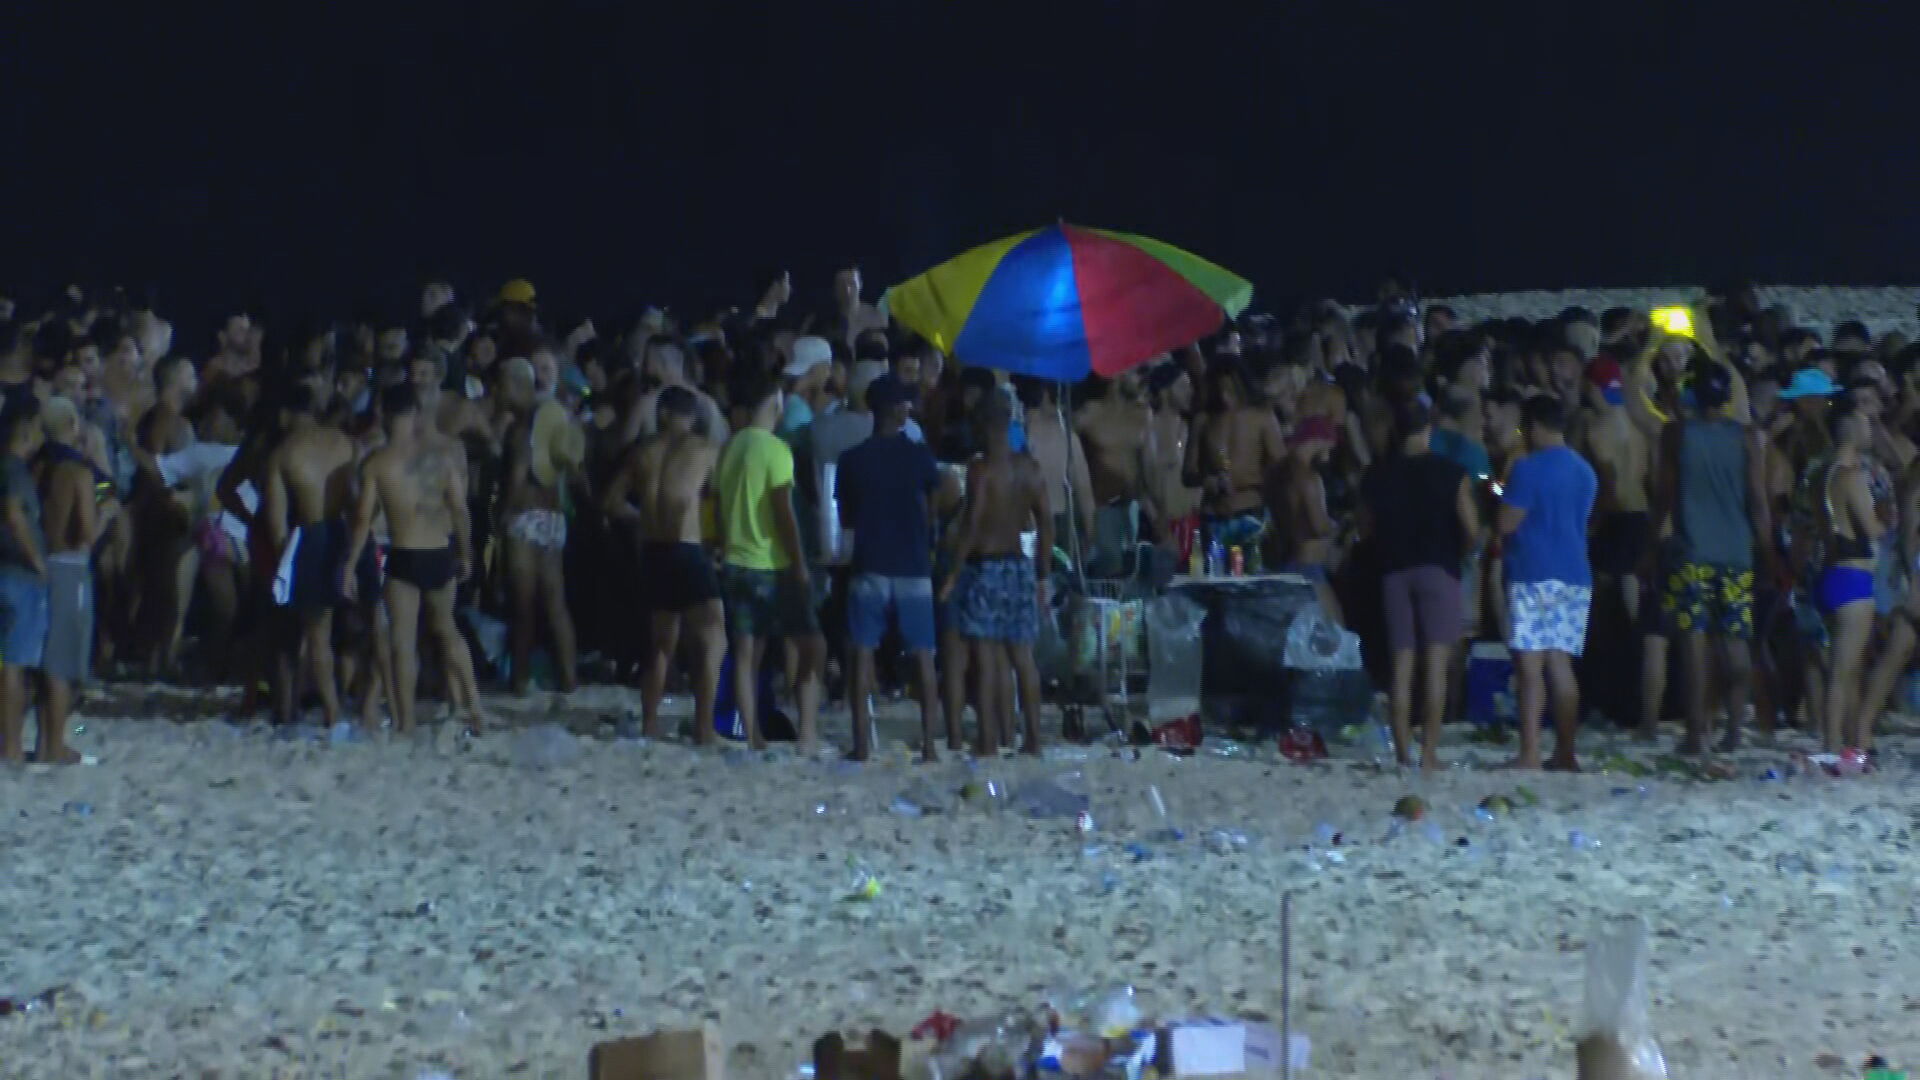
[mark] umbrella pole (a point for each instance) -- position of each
(1286, 985)
(1060, 403)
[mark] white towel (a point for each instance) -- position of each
(836, 545)
(283, 573)
(189, 466)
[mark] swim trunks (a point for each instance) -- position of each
(996, 599)
(1701, 598)
(1548, 616)
(69, 649)
(1620, 541)
(426, 569)
(23, 618)
(873, 598)
(541, 528)
(767, 603)
(676, 576)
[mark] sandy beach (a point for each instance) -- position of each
(223, 901)
(212, 900)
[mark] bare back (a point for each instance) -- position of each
(1006, 497)
(316, 466)
(671, 475)
(1623, 461)
(67, 511)
(418, 483)
(1051, 449)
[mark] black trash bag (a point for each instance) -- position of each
(1245, 678)
(1329, 701)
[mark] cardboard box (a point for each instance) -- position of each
(1236, 1048)
(695, 1054)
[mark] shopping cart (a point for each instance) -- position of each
(1106, 640)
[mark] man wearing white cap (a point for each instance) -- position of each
(806, 381)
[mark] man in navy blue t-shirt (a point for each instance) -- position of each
(1548, 498)
(885, 489)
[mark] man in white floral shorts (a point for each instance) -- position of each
(1543, 515)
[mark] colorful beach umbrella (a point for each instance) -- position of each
(1062, 301)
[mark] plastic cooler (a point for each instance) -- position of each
(1490, 684)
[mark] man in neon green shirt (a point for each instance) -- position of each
(763, 576)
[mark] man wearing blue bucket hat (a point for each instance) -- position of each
(1808, 382)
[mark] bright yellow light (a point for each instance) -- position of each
(1674, 320)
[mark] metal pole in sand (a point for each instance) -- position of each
(1286, 986)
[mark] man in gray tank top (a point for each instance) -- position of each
(1712, 494)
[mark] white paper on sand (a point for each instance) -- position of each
(1213, 1047)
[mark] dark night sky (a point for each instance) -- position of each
(619, 152)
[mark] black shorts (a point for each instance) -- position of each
(676, 576)
(1620, 542)
(317, 565)
(426, 569)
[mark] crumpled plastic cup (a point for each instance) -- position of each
(545, 746)
(1048, 798)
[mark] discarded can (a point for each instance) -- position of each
(1083, 821)
(1303, 744)
(1183, 734)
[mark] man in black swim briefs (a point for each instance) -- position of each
(419, 480)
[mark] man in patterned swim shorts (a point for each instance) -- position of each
(1713, 491)
(763, 579)
(996, 590)
(1548, 498)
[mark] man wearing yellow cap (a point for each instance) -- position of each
(518, 316)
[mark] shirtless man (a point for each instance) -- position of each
(535, 536)
(670, 474)
(239, 353)
(1620, 454)
(1062, 460)
(1311, 532)
(997, 592)
(309, 485)
(663, 360)
(1114, 430)
(1232, 455)
(854, 314)
(453, 415)
(164, 548)
(1170, 393)
(420, 487)
(71, 490)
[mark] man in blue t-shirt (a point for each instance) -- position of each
(885, 490)
(1548, 498)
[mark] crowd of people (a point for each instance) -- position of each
(816, 493)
